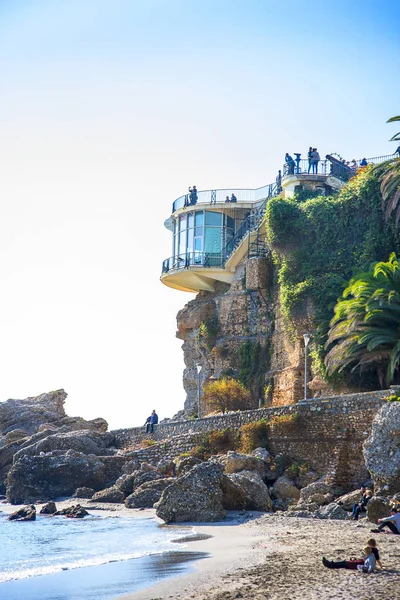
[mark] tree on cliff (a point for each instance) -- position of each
(389, 173)
(225, 395)
(365, 331)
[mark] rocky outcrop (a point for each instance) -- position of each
(382, 449)
(332, 511)
(26, 513)
(196, 496)
(184, 465)
(233, 495)
(147, 494)
(83, 492)
(347, 501)
(27, 415)
(53, 475)
(72, 512)
(86, 442)
(49, 508)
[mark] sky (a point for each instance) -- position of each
(109, 111)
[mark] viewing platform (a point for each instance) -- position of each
(213, 230)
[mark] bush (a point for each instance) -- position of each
(284, 423)
(147, 443)
(215, 442)
(253, 435)
(298, 467)
(393, 397)
(226, 395)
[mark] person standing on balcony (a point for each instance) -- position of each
(233, 198)
(315, 158)
(227, 199)
(290, 164)
(309, 153)
(193, 195)
(364, 163)
(279, 182)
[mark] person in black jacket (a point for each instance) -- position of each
(361, 506)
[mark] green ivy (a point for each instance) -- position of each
(208, 333)
(320, 243)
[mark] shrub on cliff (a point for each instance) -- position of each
(215, 442)
(225, 395)
(253, 435)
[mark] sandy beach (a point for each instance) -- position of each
(277, 557)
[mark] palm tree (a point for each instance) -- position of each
(365, 331)
(389, 173)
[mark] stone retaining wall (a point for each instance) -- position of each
(328, 433)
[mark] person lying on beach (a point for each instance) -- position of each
(365, 565)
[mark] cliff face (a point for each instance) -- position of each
(237, 331)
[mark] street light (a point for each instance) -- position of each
(307, 338)
(198, 367)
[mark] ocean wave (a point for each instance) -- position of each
(78, 564)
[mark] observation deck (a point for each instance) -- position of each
(213, 230)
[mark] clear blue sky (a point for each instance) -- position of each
(109, 110)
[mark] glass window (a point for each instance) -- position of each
(190, 220)
(199, 219)
(213, 240)
(190, 242)
(182, 222)
(198, 231)
(182, 242)
(213, 218)
(198, 244)
(230, 222)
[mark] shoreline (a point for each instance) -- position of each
(257, 556)
(275, 557)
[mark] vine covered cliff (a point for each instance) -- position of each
(252, 330)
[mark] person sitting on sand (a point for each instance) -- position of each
(366, 564)
(372, 544)
(392, 522)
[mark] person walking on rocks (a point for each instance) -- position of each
(151, 421)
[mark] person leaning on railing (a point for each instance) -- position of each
(233, 198)
(290, 164)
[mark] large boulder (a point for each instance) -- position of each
(130, 466)
(317, 492)
(254, 489)
(72, 512)
(49, 508)
(196, 496)
(234, 462)
(382, 449)
(53, 475)
(186, 463)
(377, 508)
(285, 489)
(233, 495)
(83, 492)
(111, 494)
(147, 494)
(332, 511)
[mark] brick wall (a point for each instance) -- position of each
(328, 434)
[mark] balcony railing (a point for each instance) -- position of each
(193, 259)
(220, 196)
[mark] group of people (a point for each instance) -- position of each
(313, 160)
(231, 199)
(353, 165)
(370, 554)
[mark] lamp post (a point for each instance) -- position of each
(307, 338)
(198, 367)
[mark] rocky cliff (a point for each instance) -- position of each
(238, 331)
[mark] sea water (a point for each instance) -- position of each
(51, 545)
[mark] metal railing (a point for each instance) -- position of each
(212, 197)
(331, 165)
(193, 259)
